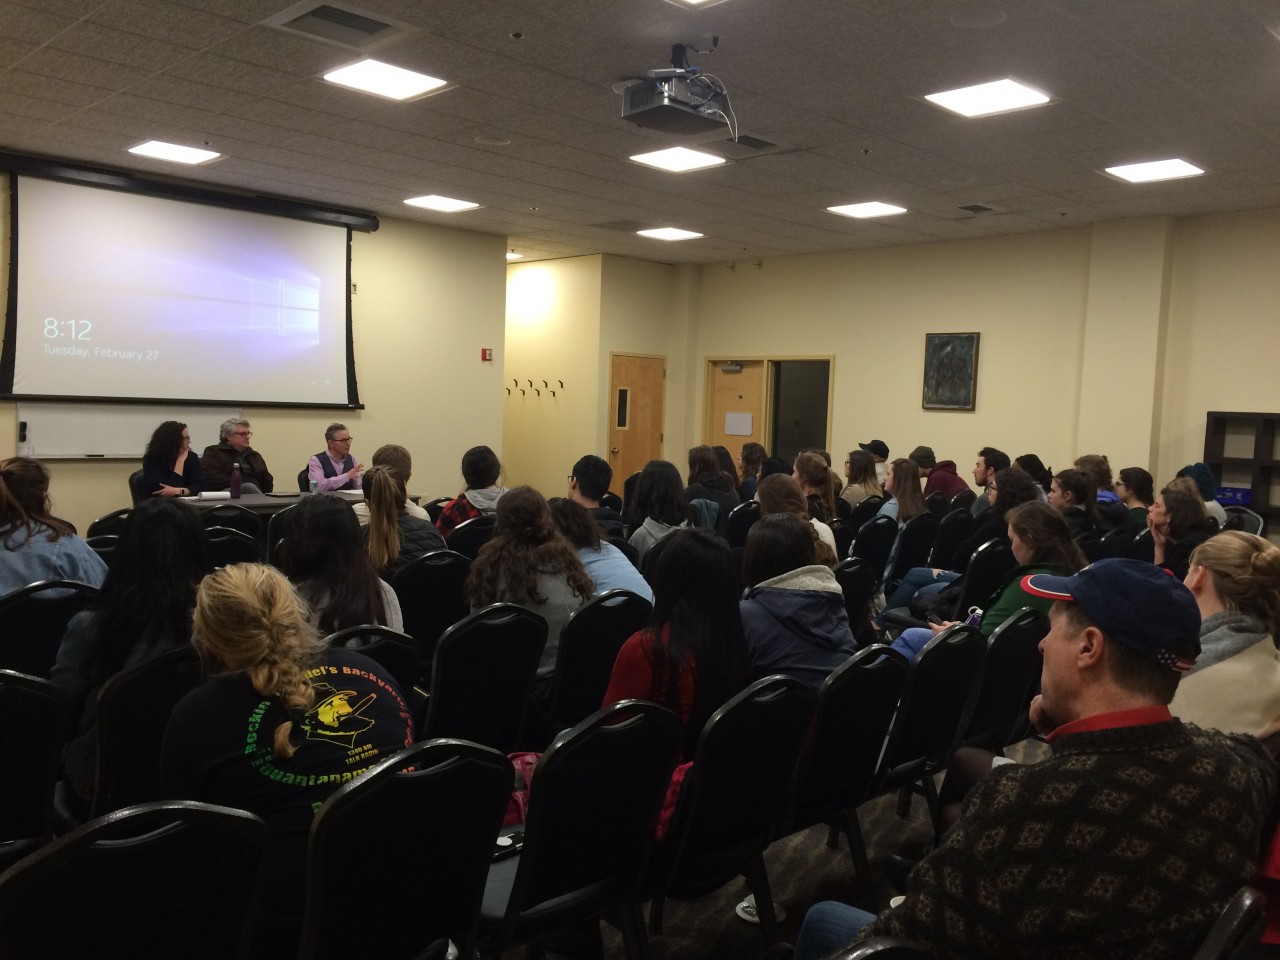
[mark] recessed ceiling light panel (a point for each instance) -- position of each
(678, 159)
(512, 255)
(159, 150)
(696, 4)
(433, 201)
(669, 233)
(982, 100)
(1154, 170)
(384, 80)
(865, 211)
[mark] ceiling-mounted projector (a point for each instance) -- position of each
(675, 100)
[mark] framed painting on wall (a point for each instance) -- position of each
(950, 371)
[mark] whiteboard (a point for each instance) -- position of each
(110, 430)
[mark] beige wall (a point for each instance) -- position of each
(429, 298)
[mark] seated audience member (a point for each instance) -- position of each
(1034, 467)
(1110, 512)
(394, 537)
(902, 484)
(793, 614)
(942, 478)
(169, 469)
(923, 458)
(990, 462)
(1072, 493)
(1235, 685)
(219, 460)
(606, 565)
(781, 494)
(752, 460)
(1178, 524)
(1129, 840)
(588, 483)
(401, 463)
(724, 459)
(144, 610)
(1008, 489)
(1041, 544)
(527, 561)
(1202, 474)
(480, 472)
(283, 724)
(1136, 491)
(325, 556)
(334, 468)
(707, 482)
(772, 465)
(860, 472)
(660, 506)
(879, 450)
(36, 544)
(817, 482)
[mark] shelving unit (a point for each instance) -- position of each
(1241, 450)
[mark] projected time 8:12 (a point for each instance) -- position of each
(71, 329)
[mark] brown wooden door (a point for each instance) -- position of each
(732, 398)
(636, 388)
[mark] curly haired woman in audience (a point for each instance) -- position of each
(779, 493)
(169, 468)
(144, 610)
(34, 544)
(527, 561)
(480, 472)
(395, 537)
(283, 724)
(660, 507)
(860, 471)
(1235, 684)
(325, 556)
(1178, 524)
(606, 565)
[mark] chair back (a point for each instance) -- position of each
(1009, 678)
(436, 507)
(937, 690)
(965, 499)
(885, 948)
(953, 530)
(122, 886)
(588, 647)
(592, 811)
(914, 543)
(612, 501)
(432, 595)
(109, 523)
(304, 481)
(649, 562)
(395, 652)
(858, 579)
(938, 504)
(481, 675)
(1242, 518)
(228, 545)
(277, 529)
(875, 541)
(844, 531)
(33, 620)
(234, 516)
(986, 571)
(733, 796)
(104, 545)
(1115, 544)
(469, 536)
(1238, 929)
(843, 508)
(855, 707)
(136, 493)
(629, 491)
(1143, 547)
(419, 876)
(133, 711)
(741, 519)
(864, 511)
(35, 717)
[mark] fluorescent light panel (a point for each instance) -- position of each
(865, 211)
(669, 233)
(512, 255)
(999, 96)
(1154, 170)
(433, 201)
(678, 159)
(384, 80)
(177, 153)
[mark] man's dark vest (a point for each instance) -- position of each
(326, 464)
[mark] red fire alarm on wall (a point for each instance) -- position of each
(486, 353)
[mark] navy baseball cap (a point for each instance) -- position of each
(878, 447)
(1137, 604)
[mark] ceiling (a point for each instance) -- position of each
(835, 86)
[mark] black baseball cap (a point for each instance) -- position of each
(876, 447)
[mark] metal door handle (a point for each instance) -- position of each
(613, 449)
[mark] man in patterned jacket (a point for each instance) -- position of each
(1130, 839)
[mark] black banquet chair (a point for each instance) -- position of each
(432, 599)
(914, 544)
(109, 523)
(234, 516)
(228, 545)
(741, 519)
(875, 541)
(588, 647)
(35, 718)
(1009, 678)
(395, 652)
(953, 530)
(858, 579)
(33, 620)
(469, 536)
(1242, 518)
(421, 874)
(886, 948)
(104, 545)
(136, 493)
(863, 511)
(172, 879)
(482, 674)
(1238, 929)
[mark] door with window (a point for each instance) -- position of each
(636, 388)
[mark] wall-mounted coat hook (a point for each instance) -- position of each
(552, 392)
(522, 391)
(561, 382)
(508, 389)
(545, 384)
(515, 382)
(530, 384)
(537, 391)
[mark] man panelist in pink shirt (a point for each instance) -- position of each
(334, 468)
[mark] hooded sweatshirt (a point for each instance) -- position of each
(796, 624)
(944, 480)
